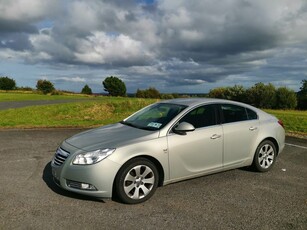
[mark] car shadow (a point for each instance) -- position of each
(248, 169)
(48, 179)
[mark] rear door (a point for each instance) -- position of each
(240, 128)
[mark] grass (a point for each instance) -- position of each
(77, 114)
(32, 96)
(294, 121)
(102, 111)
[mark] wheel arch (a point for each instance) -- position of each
(274, 141)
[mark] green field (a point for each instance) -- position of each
(294, 121)
(101, 111)
(31, 96)
(87, 113)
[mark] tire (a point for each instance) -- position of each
(265, 156)
(136, 181)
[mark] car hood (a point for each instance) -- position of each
(110, 136)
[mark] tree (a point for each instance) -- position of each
(302, 96)
(236, 93)
(218, 93)
(7, 83)
(262, 96)
(140, 93)
(86, 90)
(114, 86)
(285, 98)
(151, 92)
(45, 86)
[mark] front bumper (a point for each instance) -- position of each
(99, 177)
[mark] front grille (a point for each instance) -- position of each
(60, 157)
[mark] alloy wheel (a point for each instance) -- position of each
(139, 182)
(266, 156)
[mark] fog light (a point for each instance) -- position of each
(87, 186)
(80, 185)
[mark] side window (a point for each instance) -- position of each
(233, 113)
(201, 117)
(252, 115)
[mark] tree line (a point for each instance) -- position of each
(264, 96)
(43, 86)
(260, 95)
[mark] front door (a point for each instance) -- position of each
(199, 151)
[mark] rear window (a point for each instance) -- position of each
(233, 113)
(252, 115)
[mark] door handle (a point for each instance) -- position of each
(252, 128)
(215, 136)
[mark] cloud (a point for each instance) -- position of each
(71, 79)
(100, 48)
(169, 42)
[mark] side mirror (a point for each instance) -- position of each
(183, 128)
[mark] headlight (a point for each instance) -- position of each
(94, 157)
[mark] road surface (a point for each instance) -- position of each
(236, 199)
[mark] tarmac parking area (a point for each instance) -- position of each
(236, 199)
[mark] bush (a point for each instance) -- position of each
(302, 96)
(114, 86)
(140, 93)
(261, 96)
(57, 92)
(7, 83)
(45, 86)
(285, 98)
(26, 88)
(86, 90)
(235, 93)
(148, 93)
(167, 96)
(218, 93)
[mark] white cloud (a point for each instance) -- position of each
(71, 79)
(101, 48)
(170, 41)
(29, 10)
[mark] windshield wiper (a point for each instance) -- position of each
(138, 127)
(129, 124)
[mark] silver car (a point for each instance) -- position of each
(166, 142)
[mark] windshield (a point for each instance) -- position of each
(154, 117)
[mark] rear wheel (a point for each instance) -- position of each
(136, 181)
(265, 156)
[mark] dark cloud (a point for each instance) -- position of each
(168, 43)
(15, 35)
(9, 26)
(15, 41)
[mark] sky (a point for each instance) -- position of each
(176, 46)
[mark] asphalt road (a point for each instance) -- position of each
(236, 199)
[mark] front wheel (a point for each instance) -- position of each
(265, 156)
(136, 181)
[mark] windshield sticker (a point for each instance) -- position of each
(154, 125)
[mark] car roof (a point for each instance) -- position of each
(190, 102)
(196, 101)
